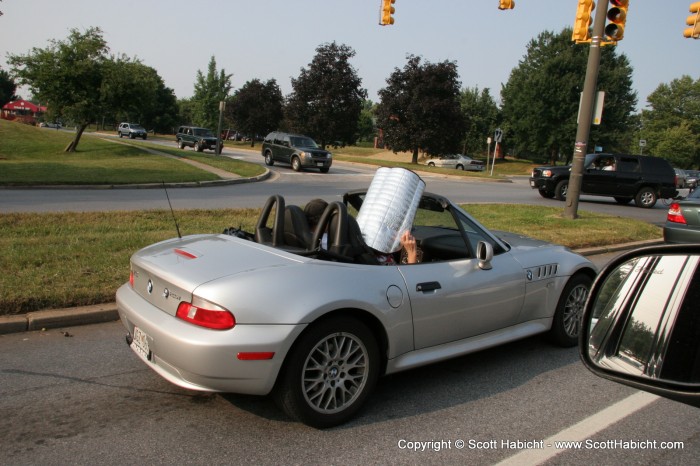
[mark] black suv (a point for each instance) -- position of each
(297, 150)
(133, 130)
(197, 138)
(624, 177)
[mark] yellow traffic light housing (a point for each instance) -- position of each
(386, 17)
(506, 4)
(693, 21)
(617, 16)
(582, 24)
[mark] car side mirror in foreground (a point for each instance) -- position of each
(641, 325)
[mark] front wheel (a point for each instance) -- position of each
(561, 189)
(198, 147)
(329, 373)
(324, 169)
(566, 324)
(269, 161)
(546, 194)
(296, 164)
(646, 198)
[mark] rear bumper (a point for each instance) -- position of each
(206, 360)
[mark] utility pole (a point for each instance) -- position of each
(585, 113)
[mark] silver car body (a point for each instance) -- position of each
(458, 161)
(477, 304)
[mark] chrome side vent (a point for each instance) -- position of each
(542, 272)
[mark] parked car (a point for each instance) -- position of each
(623, 177)
(458, 161)
(692, 178)
(230, 312)
(683, 220)
(681, 178)
(297, 150)
(132, 130)
(50, 125)
(197, 138)
(231, 135)
(640, 326)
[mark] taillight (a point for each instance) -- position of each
(206, 314)
(131, 278)
(675, 214)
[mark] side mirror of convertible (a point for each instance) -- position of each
(484, 254)
(641, 324)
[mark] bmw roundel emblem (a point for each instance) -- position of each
(149, 287)
(529, 276)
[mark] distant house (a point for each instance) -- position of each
(22, 110)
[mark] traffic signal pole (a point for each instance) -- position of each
(585, 113)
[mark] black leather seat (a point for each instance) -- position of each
(296, 228)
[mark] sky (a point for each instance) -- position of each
(268, 39)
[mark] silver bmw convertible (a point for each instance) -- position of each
(232, 312)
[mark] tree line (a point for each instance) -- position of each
(422, 109)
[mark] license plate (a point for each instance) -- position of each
(319, 164)
(140, 343)
(532, 184)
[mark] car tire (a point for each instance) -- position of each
(623, 200)
(144, 137)
(324, 169)
(181, 144)
(120, 134)
(460, 167)
(296, 164)
(198, 147)
(132, 136)
(546, 194)
(561, 189)
(431, 164)
(645, 198)
(566, 323)
(269, 161)
(329, 372)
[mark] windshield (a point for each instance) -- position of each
(303, 142)
(137, 127)
(203, 132)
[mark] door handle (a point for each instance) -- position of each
(428, 286)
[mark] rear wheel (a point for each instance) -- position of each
(561, 189)
(431, 164)
(460, 167)
(646, 198)
(329, 372)
(566, 324)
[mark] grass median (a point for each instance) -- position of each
(56, 260)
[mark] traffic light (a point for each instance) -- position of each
(385, 15)
(693, 21)
(506, 4)
(617, 15)
(582, 24)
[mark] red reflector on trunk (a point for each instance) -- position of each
(255, 356)
(185, 254)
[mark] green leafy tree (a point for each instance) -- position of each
(8, 87)
(481, 117)
(671, 126)
(68, 75)
(541, 98)
(256, 108)
(366, 128)
(327, 98)
(209, 90)
(420, 109)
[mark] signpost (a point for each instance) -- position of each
(498, 137)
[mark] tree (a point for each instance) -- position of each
(256, 108)
(366, 128)
(209, 90)
(8, 87)
(671, 126)
(327, 99)
(481, 117)
(68, 75)
(541, 98)
(420, 108)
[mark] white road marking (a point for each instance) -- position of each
(582, 431)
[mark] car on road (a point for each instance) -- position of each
(681, 178)
(233, 312)
(458, 161)
(644, 179)
(297, 150)
(197, 138)
(132, 130)
(683, 220)
(692, 178)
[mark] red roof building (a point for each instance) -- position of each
(21, 107)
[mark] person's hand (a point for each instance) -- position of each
(408, 242)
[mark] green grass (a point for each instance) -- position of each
(34, 156)
(56, 260)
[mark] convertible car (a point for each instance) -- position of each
(272, 312)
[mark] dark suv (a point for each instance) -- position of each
(132, 130)
(624, 177)
(299, 151)
(197, 138)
